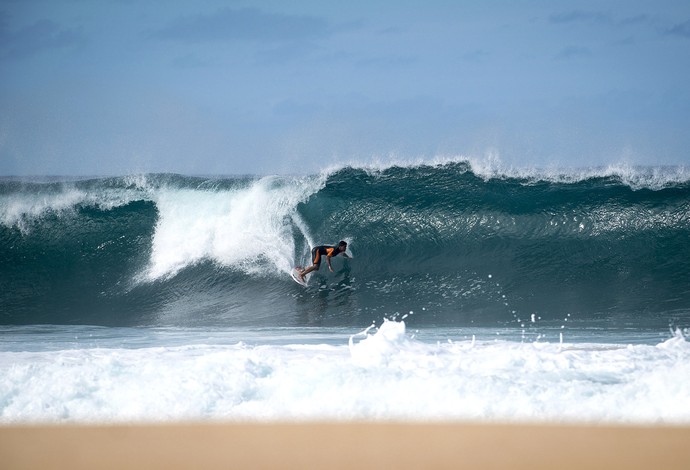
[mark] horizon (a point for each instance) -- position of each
(486, 169)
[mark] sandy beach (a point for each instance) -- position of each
(327, 445)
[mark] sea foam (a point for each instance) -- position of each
(382, 374)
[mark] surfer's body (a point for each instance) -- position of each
(318, 252)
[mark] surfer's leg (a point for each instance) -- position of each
(308, 270)
(316, 260)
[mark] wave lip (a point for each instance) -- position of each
(492, 167)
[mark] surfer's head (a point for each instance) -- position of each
(342, 246)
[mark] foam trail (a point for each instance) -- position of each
(304, 230)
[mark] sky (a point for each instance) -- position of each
(114, 87)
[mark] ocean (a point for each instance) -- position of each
(474, 293)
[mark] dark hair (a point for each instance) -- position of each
(342, 243)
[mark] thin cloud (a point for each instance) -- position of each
(573, 52)
(37, 37)
(635, 20)
(476, 56)
(190, 61)
(599, 17)
(247, 24)
(580, 16)
(387, 61)
(681, 29)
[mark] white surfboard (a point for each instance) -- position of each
(294, 274)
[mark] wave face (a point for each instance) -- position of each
(451, 244)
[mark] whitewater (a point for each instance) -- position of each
(476, 293)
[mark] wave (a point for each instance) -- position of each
(454, 242)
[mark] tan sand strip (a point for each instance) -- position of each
(348, 446)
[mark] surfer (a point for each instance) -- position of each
(318, 252)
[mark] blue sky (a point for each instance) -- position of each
(90, 87)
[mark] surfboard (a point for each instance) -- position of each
(294, 274)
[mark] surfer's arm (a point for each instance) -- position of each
(328, 260)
